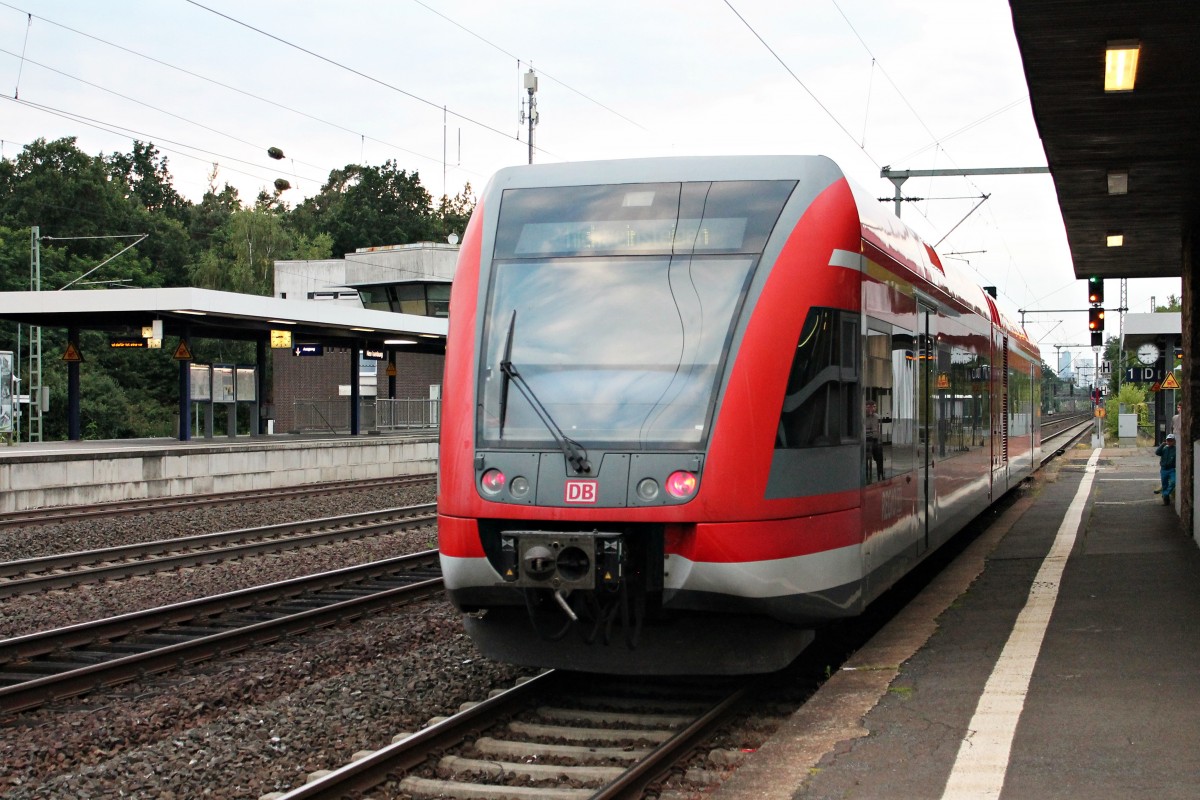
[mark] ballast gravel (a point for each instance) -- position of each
(245, 726)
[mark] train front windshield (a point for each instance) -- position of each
(611, 308)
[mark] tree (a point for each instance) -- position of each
(1173, 304)
(76, 200)
(364, 206)
(145, 172)
(1130, 399)
(213, 211)
(244, 249)
(453, 213)
(1054, 389)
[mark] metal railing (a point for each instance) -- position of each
(374, 414)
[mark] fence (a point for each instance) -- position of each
(374, 414)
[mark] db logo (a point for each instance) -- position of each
(582, 491)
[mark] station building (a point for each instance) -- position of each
(312, 393)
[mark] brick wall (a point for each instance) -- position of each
(318, 377)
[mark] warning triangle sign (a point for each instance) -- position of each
(73, 355)
(183, 353)
(1170, 382)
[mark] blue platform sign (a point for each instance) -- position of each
(1143, 375)
(308, 350)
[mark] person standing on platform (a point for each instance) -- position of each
(1175, 420)
(1166, 467)
(872, 432)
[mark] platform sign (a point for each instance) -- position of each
(6, 391)
(125, 342)
(1142, 375)
(308, 350)
(72, 354)
(1169, 382)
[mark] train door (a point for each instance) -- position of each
(1000, 413)
(924, 388)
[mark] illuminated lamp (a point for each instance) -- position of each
(492, 482)
(682, 484)
(1115, 240)
(1120, 65)
(1118, 182)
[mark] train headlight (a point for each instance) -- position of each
(682, 484)
(492, 482)
(647, 489)
(519, 487)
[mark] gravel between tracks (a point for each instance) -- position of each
(242, 727)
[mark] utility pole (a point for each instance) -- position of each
(530, 114)
(899, 176)
(33, 375)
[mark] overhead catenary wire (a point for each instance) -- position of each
(154, 108)
(114, 129)
(24, 47)
(226, 86)
(799, 82)
(357, 72)
(521, 62)
(938, 145)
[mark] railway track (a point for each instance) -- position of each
(1057, 425)
(557, 736)
(65, 662)
(72, 569)
(46, 516)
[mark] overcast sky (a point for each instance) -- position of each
(437, 85)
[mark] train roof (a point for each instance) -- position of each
(880, 228)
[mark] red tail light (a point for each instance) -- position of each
(492, 481)
(682, 485)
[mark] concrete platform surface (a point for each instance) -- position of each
(46, 474)
(1058, 657)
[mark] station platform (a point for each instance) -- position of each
(45, 474)
(1057, 657)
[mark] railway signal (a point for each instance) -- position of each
(1095, 290)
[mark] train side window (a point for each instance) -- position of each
(878, 402)
(820, 403)
(902, 438)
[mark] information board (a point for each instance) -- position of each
(6, 391)
(200, 378)
(224, 389)
(247, 386)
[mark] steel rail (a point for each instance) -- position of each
(32, 693)
(411, 752)
(164, 554)
(634, 782)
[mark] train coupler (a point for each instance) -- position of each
(562, 561)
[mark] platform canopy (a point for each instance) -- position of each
(204, 313)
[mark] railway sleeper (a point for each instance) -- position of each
(590, 775)
(428, 787)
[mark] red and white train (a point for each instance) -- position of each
(694, 407)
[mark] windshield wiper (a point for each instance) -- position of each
(572, 450)
(507, 359)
